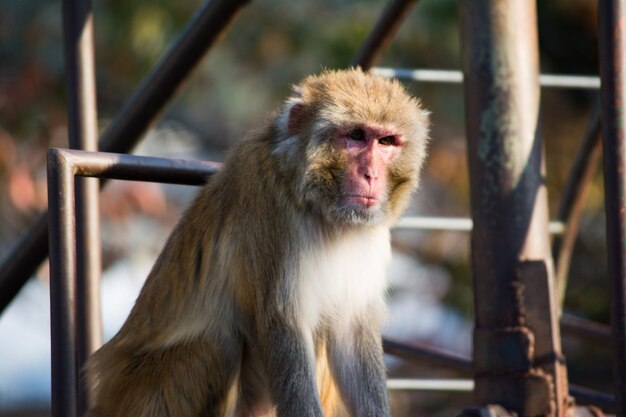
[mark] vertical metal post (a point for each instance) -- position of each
(612, 20)
(517, 355)
(62, 286)
(83, 135)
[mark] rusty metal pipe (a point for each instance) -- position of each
(612, 23)
(517, 354)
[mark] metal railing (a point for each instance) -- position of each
(456, 77)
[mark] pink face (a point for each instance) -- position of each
(369, 150)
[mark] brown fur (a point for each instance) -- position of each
(218, 328)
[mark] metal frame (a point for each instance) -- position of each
(518, 362)
(63, 167)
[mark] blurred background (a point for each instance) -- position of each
(273, 44)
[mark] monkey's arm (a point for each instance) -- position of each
(289, 355)
(356, 362)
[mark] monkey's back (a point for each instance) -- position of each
(200, 299)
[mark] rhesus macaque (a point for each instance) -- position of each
(267, 299)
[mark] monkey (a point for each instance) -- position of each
(268, 297)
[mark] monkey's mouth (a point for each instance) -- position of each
(362, 200)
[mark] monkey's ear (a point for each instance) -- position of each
(295, 118)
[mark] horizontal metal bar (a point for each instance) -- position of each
(586, 329)
(423, 353)
(459, 224)
(583, 395)
(456, 77)
(430, 384)
(426, 75)
(138, 168)
(587, 82)
(586, 396)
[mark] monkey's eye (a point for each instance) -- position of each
(387, 140)
(357, 134)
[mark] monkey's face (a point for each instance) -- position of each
(362, 140)
(359, 173)
(366, 152)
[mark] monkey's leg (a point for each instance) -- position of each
(289, 357)
(332, 403)
(187, 379)
(356, 361)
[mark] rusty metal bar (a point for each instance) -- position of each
(116, 166)
(420, 353)
(456, 77)
(383, 32)
(21, 261)
(573, 200)
(83, 134)
(517, 354)
(612, 23)
(586, 329)
(63, 166)
(586, 396)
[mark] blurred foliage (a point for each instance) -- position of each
(273, 44)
